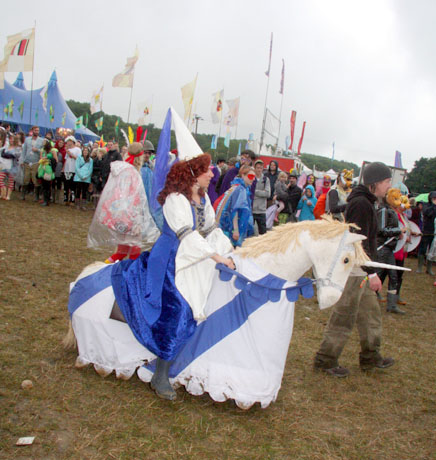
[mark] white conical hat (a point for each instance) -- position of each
(187, 146)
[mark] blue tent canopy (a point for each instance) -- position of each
(55, 114)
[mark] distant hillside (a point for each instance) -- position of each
(204, 140)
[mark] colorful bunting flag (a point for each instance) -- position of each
(21, 109)
(270, 55)
(64, 117)
(117, 126)
(216, 110)
(51, 114)
(213, 142)
(11, 108)
(125, 78)
(99, 123)
(79, 122)
(188, 97)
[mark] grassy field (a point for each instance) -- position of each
(76, 414)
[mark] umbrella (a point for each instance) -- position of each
(422, 197)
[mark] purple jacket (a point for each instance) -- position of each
(213, 195)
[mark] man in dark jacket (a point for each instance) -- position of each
(294, 195)
(112, 155)
(359, 303)
(428, 229)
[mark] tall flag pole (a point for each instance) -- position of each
(333, 151)
(267, 73)
(301, 139)
(282, 84)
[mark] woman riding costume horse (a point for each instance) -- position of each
(186, 320)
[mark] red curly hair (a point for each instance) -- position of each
(183, 175)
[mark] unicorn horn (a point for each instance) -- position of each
(373, 264)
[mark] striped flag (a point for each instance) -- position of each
(270, 55)
(18, 54)
(117, 126)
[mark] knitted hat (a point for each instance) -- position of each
(376, 172)
(135, 149)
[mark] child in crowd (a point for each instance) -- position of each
(9, 166)
(307, 204)
(280, 191)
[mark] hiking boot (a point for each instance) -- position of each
(376, 363)
(337, 371)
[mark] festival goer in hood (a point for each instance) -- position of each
(233, 209)
(72, 153)
(325, 187)
(148, 152)
(272, 174)
(261, 195)
(307, 203)
(358, 302)
(336, 200)
(428, 230)
(168, 287)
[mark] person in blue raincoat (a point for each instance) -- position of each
(307, 204)
(233, 209)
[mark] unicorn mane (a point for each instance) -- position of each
(283, 236)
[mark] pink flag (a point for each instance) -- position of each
(145, 135)
(301, 139)
(282, 81)
(270, 55)
(293, 118)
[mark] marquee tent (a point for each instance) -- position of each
(53, 114)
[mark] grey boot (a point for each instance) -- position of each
(430, 268)
(421, 259)
(392, 306)
(37, 193)
(160, 382)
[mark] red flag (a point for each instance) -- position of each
(138, 133)
(293, 118)
(301, 139)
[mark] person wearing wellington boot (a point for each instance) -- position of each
(162, 294)
(358, 304)
(428, 230)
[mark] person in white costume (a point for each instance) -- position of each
(162, 294)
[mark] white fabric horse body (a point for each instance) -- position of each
(240, 350)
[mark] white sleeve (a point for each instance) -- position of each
(193, 247)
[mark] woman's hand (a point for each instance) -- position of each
(227, 261)
(235, 235)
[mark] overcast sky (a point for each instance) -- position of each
(361, 73)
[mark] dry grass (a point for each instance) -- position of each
(75, 414)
